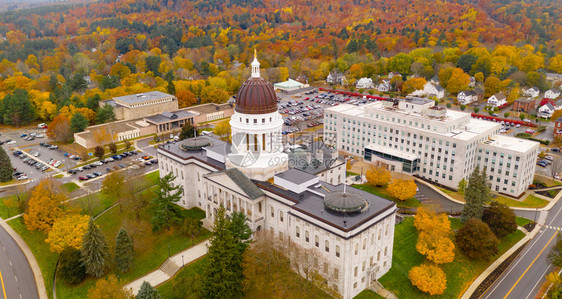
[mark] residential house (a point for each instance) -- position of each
(434, 80)
(546, 110)
(336, 77)
(384, 86)
(365, 83)
(497, 100)
(554, 77)
(532, 92)
(434, 90)
(552, 94)
(392, 74)
(466, 97)
(524, 104)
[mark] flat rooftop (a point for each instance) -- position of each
(142, 97)
(296, 176)
(511, 143)
(417, 100)
(392, 151)
(165, 117)
(312, 204)
(209, 108)
(174, 149)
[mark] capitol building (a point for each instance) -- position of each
(351, 231)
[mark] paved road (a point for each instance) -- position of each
(430, 197)
(17, 277)
(527, 272)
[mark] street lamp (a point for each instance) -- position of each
(182, 262)
(168, 251)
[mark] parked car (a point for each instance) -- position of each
(556, 150)
(59, 163)
(97, 173)
(23, 135)
(122, 165)
(36, 154)
(83, 178)
(53, 146)
(42, 126)
(108, 160)
(11, 142)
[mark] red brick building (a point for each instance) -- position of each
(558, 128)
(524, 104)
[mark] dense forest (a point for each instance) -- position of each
(68, 57)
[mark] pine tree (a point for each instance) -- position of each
(94, 250)
(476, 196)
(223, 275)
(78, 122)
(71, 268)
(147, 292)
(6, 168)
(124, 251)
(164, 211)
(240, 230)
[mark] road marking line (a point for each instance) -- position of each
(3, 288)
(528, 267)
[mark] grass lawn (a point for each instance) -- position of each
(149, 254)
(69, 187)
(530, 201)
(548, 182)
(8, 205)
(167, 289)
(412, 202)
(460, 273)
(348, 173)
(522, 221)
(46, 259)
(368, 294)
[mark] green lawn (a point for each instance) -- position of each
(149, 255)
(46, 259)
(530, 201)
(460, 273)
(348, 173)
(368, 294)
(173, 289)
(7, 209)
(69, 187)
(522, 221)
(412, 202)
(548, 182)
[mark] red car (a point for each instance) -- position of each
(83, 178)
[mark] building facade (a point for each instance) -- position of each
(524, 104)
(141, 105)
(416, 137)
(349, 231)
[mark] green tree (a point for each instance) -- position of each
(462, 185)
(171, 87)
(555, 255)
(94, 250)
(124, 251)
(105, 114)
(466, 61)
(223, 275)
(192, 228)
(78, 122)
(163, 209)
(521, 116)
(500, 218)
(477, 194)
(127, 144)
(506, 115)
(476, 109)
(476, 240)
(240, 230)
(70, 267)
(147, 292)
(187, 131)
(153, 64)
(6, 169)
(400, 63)
(463, 107)
(16, 108)
(99, 152)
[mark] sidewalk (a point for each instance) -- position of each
(170, 267)
(498, 262)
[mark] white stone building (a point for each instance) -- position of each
(384, 86)
(432, 142)
(350, 231)
(466, 97)
(532, 92)
(430, 89)
(546, 110)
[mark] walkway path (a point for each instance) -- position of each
(170, 267)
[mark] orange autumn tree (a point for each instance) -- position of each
(45, 205)
(378, 176)
(433, 241)
(67, 232)
(59, 129)
(429, 279)
(402, 189)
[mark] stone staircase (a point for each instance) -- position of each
(377, 287)
(169, 267)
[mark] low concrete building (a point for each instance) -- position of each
(113, 132)
(211, 111)
(170, 121)
(141, 105)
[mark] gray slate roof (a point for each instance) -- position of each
(142, 97)
(167, 116)
(244, 183)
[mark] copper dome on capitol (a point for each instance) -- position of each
(256, 96)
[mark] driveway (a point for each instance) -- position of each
(432, 198)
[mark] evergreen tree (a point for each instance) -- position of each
(171, 88)
(164, 211)
(500, 218)
(124, 251)
(240, 230)
(16, 108)
(147, 292)
(105, 114)
(94, 250)
(476, 195)
(187, 131)
(223, 275)
(71, 268)
(78, 122)
(6, 169)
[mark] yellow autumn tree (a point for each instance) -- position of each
(413, 84)
(67, 232)
(434, 231)
(45, 205)
(429, 279)
(402, 189)
(222, 129)
(458, 81)
(378, 176)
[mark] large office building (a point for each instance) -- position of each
(349, 232)
(416, 137)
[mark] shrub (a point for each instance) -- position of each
(476, 240)
(71, 269)
(429, 279)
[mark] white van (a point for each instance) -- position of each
(42, 125)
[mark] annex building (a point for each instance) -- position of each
(141, 105)
(350, 231)
(416, 137)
